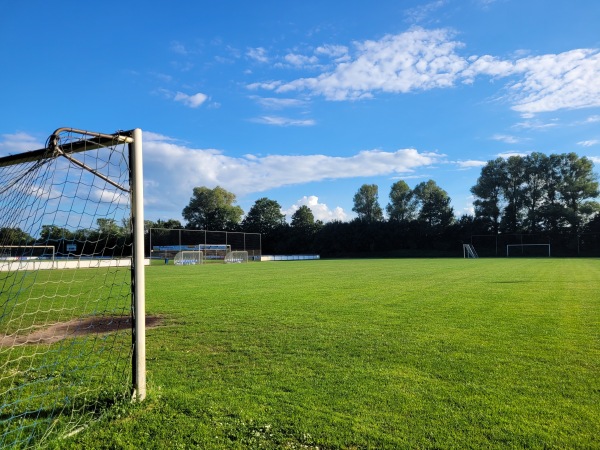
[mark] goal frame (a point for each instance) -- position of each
(93, 141)
(236, 256)
(198, 253)
(527, 245)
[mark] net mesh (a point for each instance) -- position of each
(65, 324)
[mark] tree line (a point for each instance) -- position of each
(531, 194)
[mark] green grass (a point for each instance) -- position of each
(440, 353)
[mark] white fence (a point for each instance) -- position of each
(288, 257)
(36, 264)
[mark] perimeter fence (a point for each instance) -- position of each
(162, 243)
(585, 244)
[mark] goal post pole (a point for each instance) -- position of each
(138, 275)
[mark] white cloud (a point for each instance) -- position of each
(589, 143)
(421, 59)
(284, 121)
(320, 210)
(415, 60)
(300, 60)
(11, 144)
(179, 48)
(505, 138)
(567, 80)
(258, 54)
(422, 12)
(535, 125)
(594, 159)
(507, 155)
(193, 101)
(592, 119)
(278, 103)
(269, 85)
(469, 164)
(176, 169)
(338, 52)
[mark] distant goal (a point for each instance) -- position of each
(236, 257)
(189, 258)
(528, 250)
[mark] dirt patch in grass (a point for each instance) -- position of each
(76, 328)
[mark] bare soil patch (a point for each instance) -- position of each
(75, 328)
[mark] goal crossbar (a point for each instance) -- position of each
(96, 141)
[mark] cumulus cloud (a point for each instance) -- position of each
(421, 59)
(175, 169)
(320, 210)
(193, 101)
(338, 53)
(300, 60)
(415, 60)
(258, 54)
(567, 80)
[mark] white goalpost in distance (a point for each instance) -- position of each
(188, 258)
(72, 339)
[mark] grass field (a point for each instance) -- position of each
(352, 354)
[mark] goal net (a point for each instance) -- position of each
(71, 284)
(236, 257)
(188, 258)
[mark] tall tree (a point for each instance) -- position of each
(303, 218)
(109, 227)
(212, 209)
(512, 191)
(435, 211)
(366, 204)
(536, 172)
(55, 233)
(579, 185)
(402, 205)
(488, 193)
(264, 217)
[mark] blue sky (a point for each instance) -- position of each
(303, 102)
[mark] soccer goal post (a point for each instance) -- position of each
(469, 251)
(236, 256)
(188, 258)
(72, 339)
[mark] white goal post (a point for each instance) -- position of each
(236, 256)
(188, 258)
(83, 190)
(523, 246)
(469, 251)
